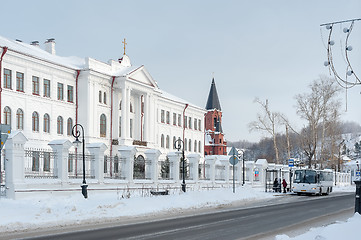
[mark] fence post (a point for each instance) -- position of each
(174, 159)
(127, 154)
(61, 147)
(97, 150)
(152, 168)
(193, 166)
(14, 162)
(211, 160)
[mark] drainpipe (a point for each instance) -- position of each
(1, 60)
(184, 126)
(111, 123)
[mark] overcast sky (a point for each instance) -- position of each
(266, 49)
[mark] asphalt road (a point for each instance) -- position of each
(225, 224)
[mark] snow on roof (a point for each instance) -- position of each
(177, 99)
(35, 51)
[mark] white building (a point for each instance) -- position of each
(45, 95)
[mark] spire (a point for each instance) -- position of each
(213, 101)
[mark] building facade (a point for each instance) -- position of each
(45, 95)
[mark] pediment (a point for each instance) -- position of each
(141, 75)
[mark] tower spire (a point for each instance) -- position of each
(213, 101)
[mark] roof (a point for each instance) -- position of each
(213, 101)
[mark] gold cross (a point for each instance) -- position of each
(125, 43)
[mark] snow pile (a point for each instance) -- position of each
(59, 211)
(337, 231)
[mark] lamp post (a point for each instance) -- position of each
(76, 133)
(243, 152)
(178, 145)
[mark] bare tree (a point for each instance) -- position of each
(267, 121)
(318, 109)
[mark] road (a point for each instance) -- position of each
(225, 224)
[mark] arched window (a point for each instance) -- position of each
(167, 142)
(100, 96)
(7, 115)
(120, 105)
(105, 98)
(35, 122)
(174, 139)
(162, 141)
(190, 145)
(60, 125)
(185, 144)
(195, 145)
(69, 127)
(199, 146)
(46, 123)
(19, 119)
(131, 108)
(103, 125)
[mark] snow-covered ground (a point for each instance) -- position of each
(32, 213)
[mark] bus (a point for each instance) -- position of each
(310, 181)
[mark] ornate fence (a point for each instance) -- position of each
(112, 167)
(39, 163)
(75, 165)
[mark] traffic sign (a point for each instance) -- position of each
(358, 173)
(4, 133)
(291, 162)
(233, 151)
(233, 160)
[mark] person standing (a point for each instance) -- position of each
(284, 184)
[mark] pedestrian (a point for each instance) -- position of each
(275, 185)
(284, 184)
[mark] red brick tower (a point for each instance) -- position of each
(214, 143)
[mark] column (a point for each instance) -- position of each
(124, 113)
(14, 162)
(61, 147)
(152, 156)
(97, 150)
(127, 154)
(146, 118)
(211, 161)
(194, 166)
(174, 159)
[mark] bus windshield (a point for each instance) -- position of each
(305, 176)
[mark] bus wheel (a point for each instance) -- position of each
(320, 191)
(299, 194)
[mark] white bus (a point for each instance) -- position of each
(312, 181)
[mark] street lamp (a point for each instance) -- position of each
(178, 145)
(76, 133)
(243, 152)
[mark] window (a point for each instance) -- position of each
(174, 139)
(167, 142)
(120, 105)
(46, 88)
(131, 107)
(60, 91)
(120, 126)
(7, 78)
(214, 122)
(190, 123)
(46, 161)
(59, 125)
(195, 124)
(199, 125)
(116, 164)
(7, 115)
(162, 141)
(46, 123)
(199, 146)
(19, 81)
(168, 117)
(185, 144)
(179, 120)
(35, 85)
(195, 145)
(105, 164)
(100, 96)
(174, 119)
(162, 116)
(69, 127)
(19, 119)
(35, 122)
(103, 125)
(131, 128)
(70, 94)
(105, 98)
(190, 145)
(185, 121)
